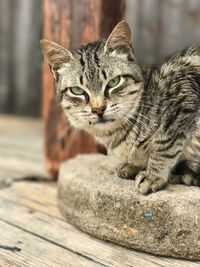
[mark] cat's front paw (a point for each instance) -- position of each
(127, 170)
(146, 183)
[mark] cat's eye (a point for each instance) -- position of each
(76, 90)
(114, 82)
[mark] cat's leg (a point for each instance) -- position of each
(191, 153)
(127, 170)
(191, 179)
(183, 174)
(187, 179)
(163, 158)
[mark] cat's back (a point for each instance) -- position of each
(183, 61)
(176, 85)
(191, 51)
(189, 57)
(181, 72)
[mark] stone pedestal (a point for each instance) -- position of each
(93, 198)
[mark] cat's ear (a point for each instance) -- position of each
(120, 39)
(55, 54)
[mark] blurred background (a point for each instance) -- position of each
(159, 28)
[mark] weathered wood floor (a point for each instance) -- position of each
(32, 231)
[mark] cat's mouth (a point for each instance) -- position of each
(102, 120)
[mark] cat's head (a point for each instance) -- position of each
(98, 84)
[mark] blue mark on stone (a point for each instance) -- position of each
(148, 214)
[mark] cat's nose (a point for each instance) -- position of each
(99, 111)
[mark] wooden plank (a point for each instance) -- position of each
(149, 31)
(144, 18)
(61, 140)
(65, 235)
(21, 248)
(71, 23)
(162, 27)
(20, 27)
(38, 197)
(20, 53)
(21, 149)
(4, 52)
(172, 21)
(191, 32)
(43, 193)
(132, 16)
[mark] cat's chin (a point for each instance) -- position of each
(99, 128)
(102, 128)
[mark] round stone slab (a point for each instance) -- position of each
(93, 198)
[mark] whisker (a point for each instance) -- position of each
(127, 120)
(139, 123)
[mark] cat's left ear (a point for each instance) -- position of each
(120, 39)
(55, 54)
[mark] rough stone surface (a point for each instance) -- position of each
(93, 198)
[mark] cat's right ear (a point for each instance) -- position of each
(55, 54)
(120, 39)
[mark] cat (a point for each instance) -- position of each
(148, 116)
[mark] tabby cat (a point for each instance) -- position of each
(147, 116)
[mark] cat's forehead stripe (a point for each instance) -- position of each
(104, 74)
(90, 61)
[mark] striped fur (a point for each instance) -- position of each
(151, 121)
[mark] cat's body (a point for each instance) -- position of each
(150, 118)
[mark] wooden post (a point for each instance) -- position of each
(71, 23)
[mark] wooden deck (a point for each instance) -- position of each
(32, 231)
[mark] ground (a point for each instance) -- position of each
(32, 230)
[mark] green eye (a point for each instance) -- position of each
(77, 90)
(114, 82)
